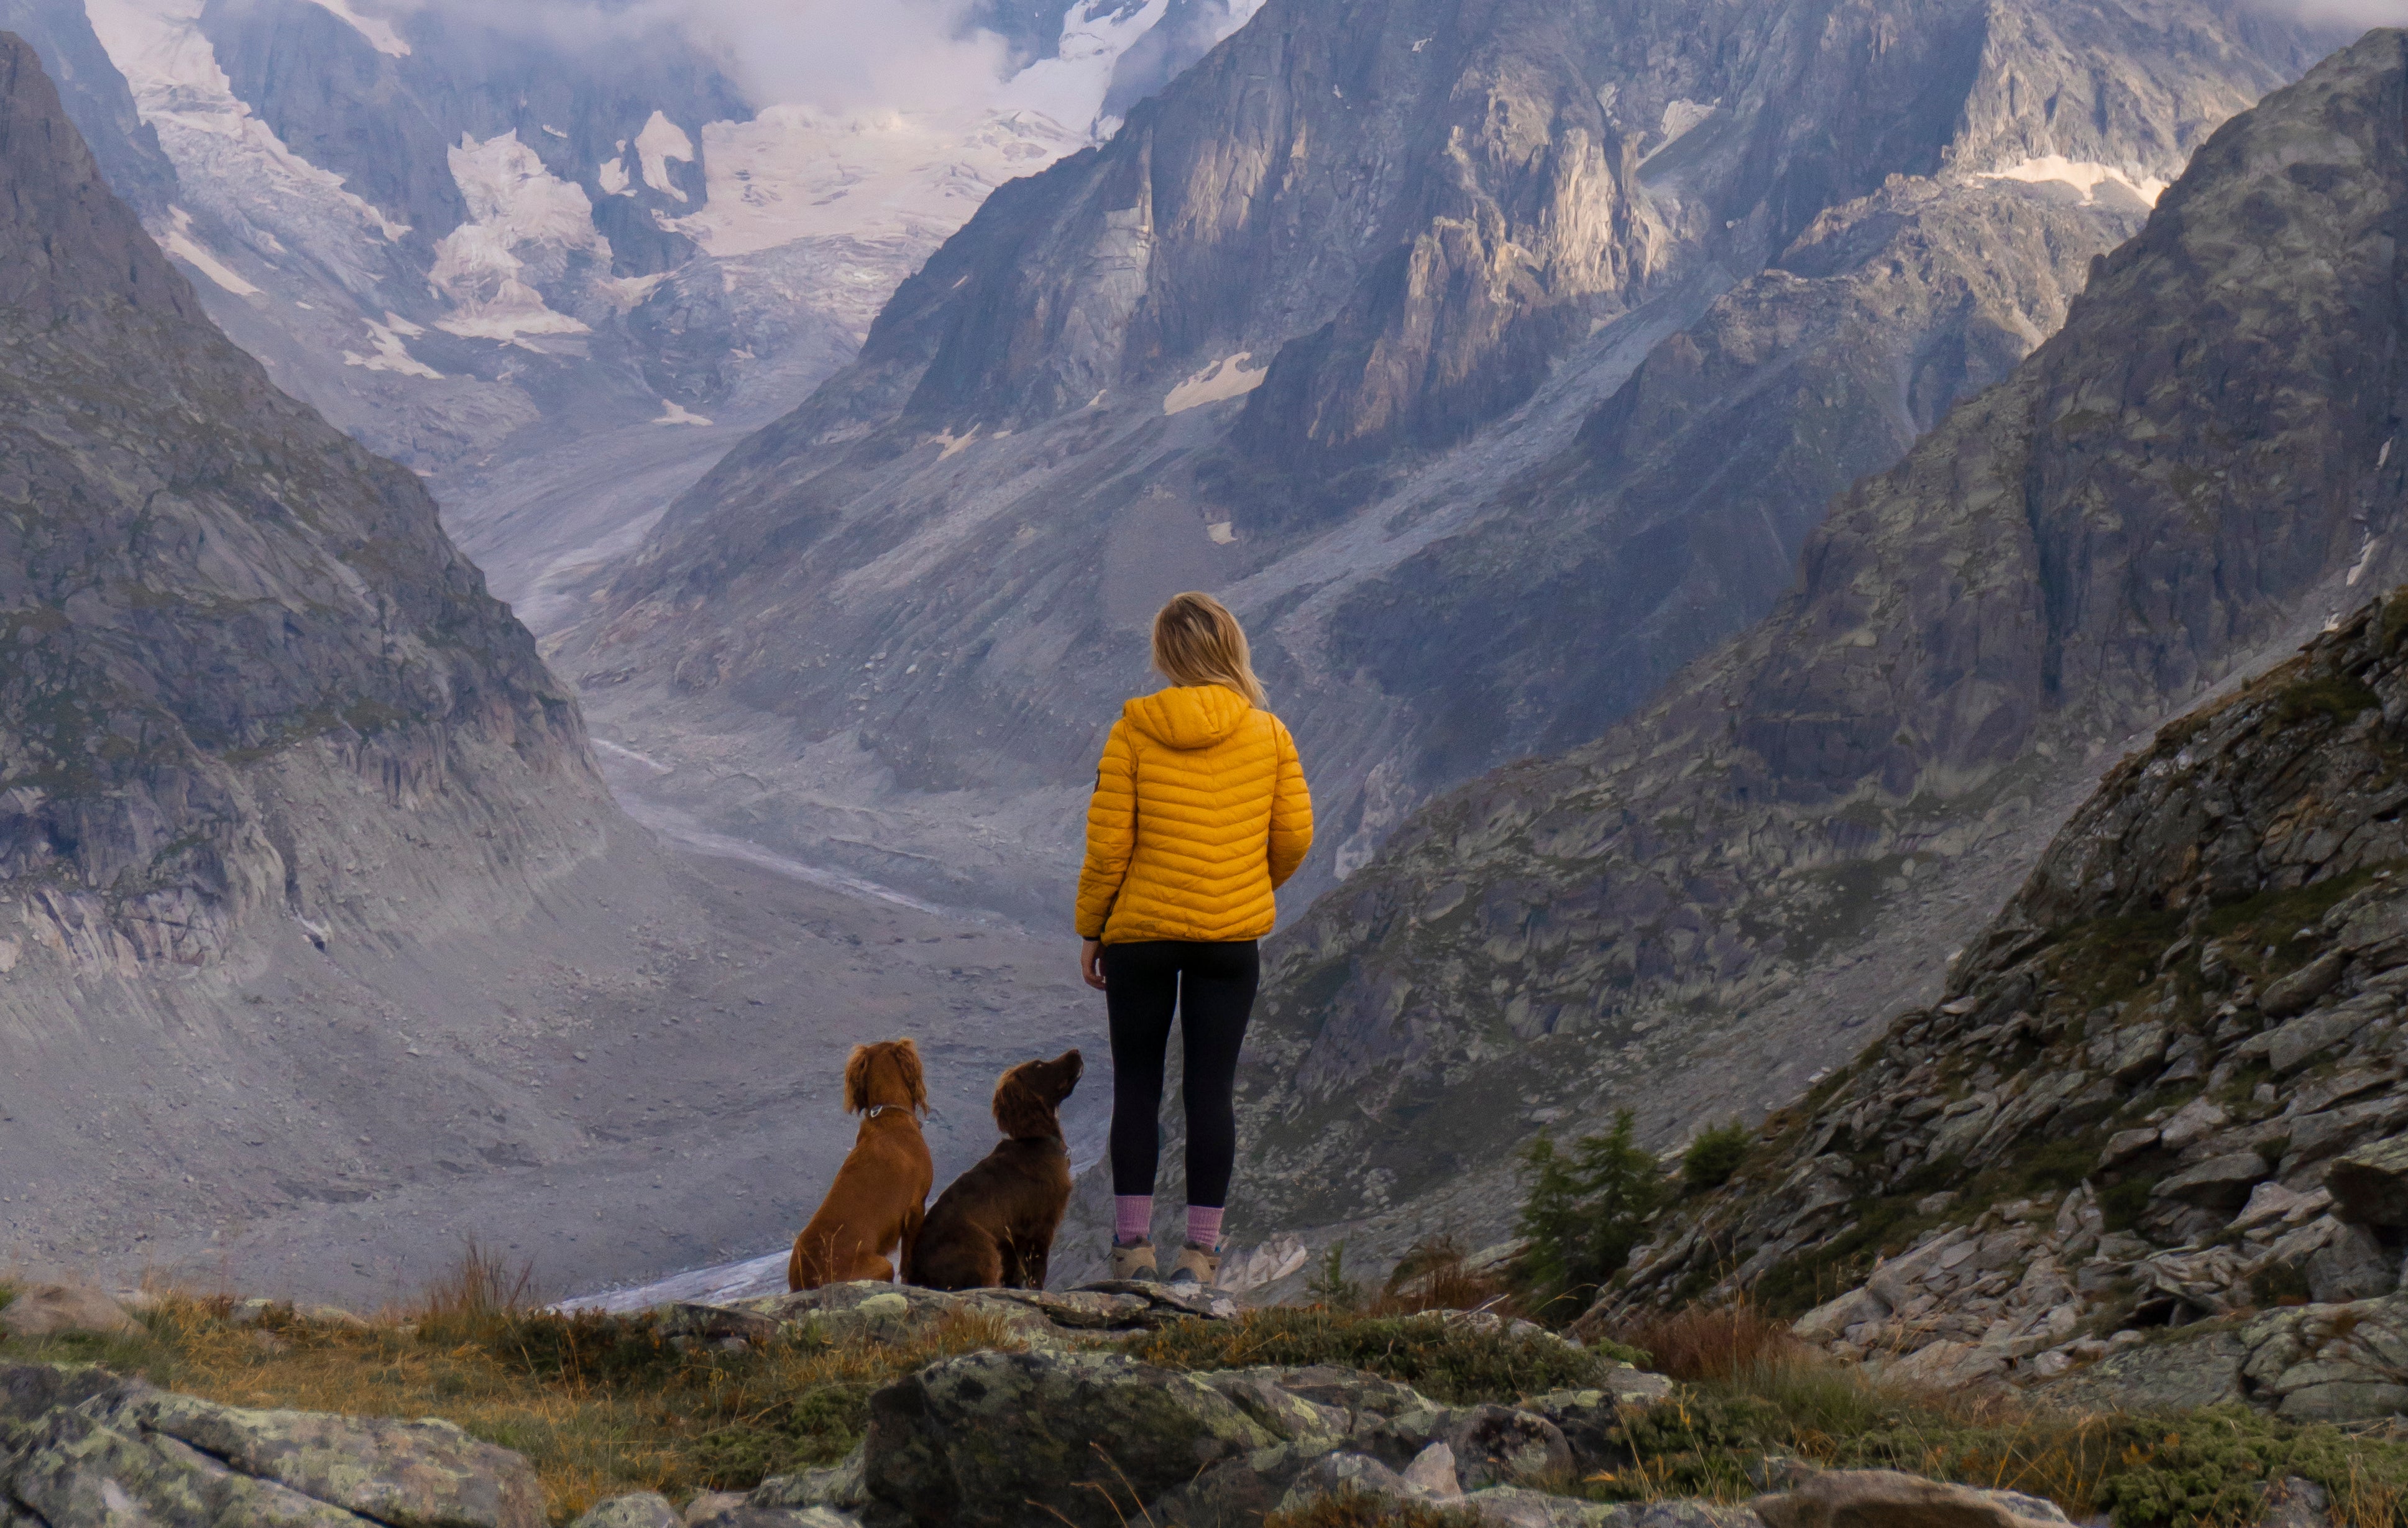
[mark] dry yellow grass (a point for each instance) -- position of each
(600, 1406)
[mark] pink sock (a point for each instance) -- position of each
(1204, 1226)
(1132, 1216)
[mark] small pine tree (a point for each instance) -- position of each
(1583, 1213)
(1329, 1286)
(1713, 1157)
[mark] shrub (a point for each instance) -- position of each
(1436, 1273)
(1713, 1157)
(1724, 1342)
(1583, 1213)
(1329, 1286)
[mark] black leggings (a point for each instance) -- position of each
(1214, 987)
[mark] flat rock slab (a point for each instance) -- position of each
(897, 1312)
(81, 1447)
(1889, 1499)
(41, 1310)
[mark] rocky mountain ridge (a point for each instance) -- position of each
(1699, 910)
(225, 619)
(2162, 1089)
(1131, 375)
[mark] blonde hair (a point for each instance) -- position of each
(1197, 641)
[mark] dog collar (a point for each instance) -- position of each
(877, 1109)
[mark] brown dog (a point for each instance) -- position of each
(875, 1203)
(993, 1228)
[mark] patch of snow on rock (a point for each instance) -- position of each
(379, 32)
(179, 243)
(1224, 379)
(660, 141)
(526, 228)
(2086, 178)
(673, 412)
(392, 355)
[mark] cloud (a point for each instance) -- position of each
(837, 55)
(844, 54)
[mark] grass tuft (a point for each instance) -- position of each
(1447, 1361)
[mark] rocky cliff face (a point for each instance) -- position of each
(1696, 911)
(96, 100)
(220, 611)
(1493, 366)
(295, 827)
(2164, 1085)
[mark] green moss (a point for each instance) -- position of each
(2205, 1469)
(2339, 696)
(1447, 1360)
(805, 1430)
(2123, 1203)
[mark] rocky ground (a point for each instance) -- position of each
(2148, 1146)
(1060, 1422)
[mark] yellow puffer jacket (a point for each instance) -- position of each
(1201, 812)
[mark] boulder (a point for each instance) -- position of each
(1087, 1439)
(1945, 1365)
(2370, 1186)
(718, 1510)
(41, 1310)
(2307, 1037)
(2294, 1503)
(644, 1509)
(1888, 1499)
(2220, 1183)
(1678, 1514)
(1584, 1417)
(2173, 1374)
(85, 1442)
(1342, 1474)
(1499, 1446)
(867, 1310)
(2351, 1265)
(2295, 992)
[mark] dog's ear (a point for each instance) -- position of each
(856, 1080)
(1021, 1112)
(915, 1083)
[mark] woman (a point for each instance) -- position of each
(1199, 815)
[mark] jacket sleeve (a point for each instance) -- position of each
(1112, 833)
(1291, 812)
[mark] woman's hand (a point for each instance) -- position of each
(1091, 962)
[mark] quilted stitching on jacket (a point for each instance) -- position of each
(1200, 814)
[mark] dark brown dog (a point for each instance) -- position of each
(993, 1227)
(875, 1203)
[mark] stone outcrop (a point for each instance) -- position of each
(2193, 1008)
(80, 1448)
(40, 1310)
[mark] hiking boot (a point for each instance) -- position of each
(1197, 1266)
(1135, 1262)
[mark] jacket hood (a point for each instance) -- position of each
(1188, 716)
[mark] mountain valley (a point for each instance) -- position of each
(1715, 487)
